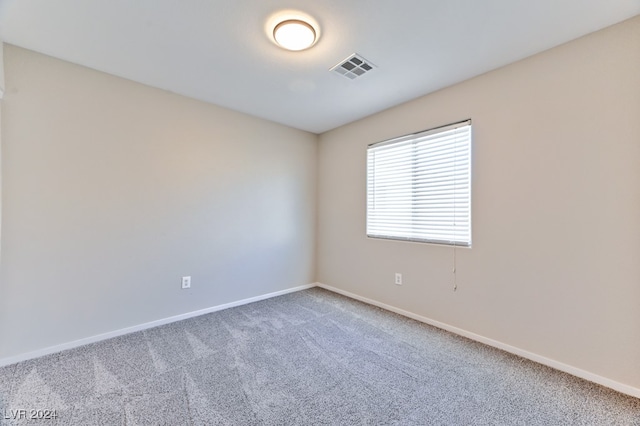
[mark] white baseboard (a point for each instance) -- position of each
(104, 336)
(612, 384)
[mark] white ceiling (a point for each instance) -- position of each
(218, 50)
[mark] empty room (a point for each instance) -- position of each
(417, 212)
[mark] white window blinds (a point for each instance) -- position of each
(419, 186)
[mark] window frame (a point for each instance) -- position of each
(415, 137)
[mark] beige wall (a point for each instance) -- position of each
(555, 263)
(1, 70)
(113, 190)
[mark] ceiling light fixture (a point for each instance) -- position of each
(294, 34)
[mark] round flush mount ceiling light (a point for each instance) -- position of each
(295, 34)
(292, 29)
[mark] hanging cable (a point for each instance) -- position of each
(455, 277)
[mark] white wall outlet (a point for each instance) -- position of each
(186, 282)
(398, 278)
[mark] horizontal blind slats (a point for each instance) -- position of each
(419, 188)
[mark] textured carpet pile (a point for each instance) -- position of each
(307, 358)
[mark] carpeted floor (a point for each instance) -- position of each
(307, 358)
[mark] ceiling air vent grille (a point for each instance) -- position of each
(353, 67)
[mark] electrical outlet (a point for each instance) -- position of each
(398, 278)
(186, 282)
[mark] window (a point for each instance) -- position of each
(419, 186)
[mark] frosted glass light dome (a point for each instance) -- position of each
(294, 34)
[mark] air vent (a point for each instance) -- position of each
(353, 67)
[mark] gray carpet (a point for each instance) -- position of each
(307, 358)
